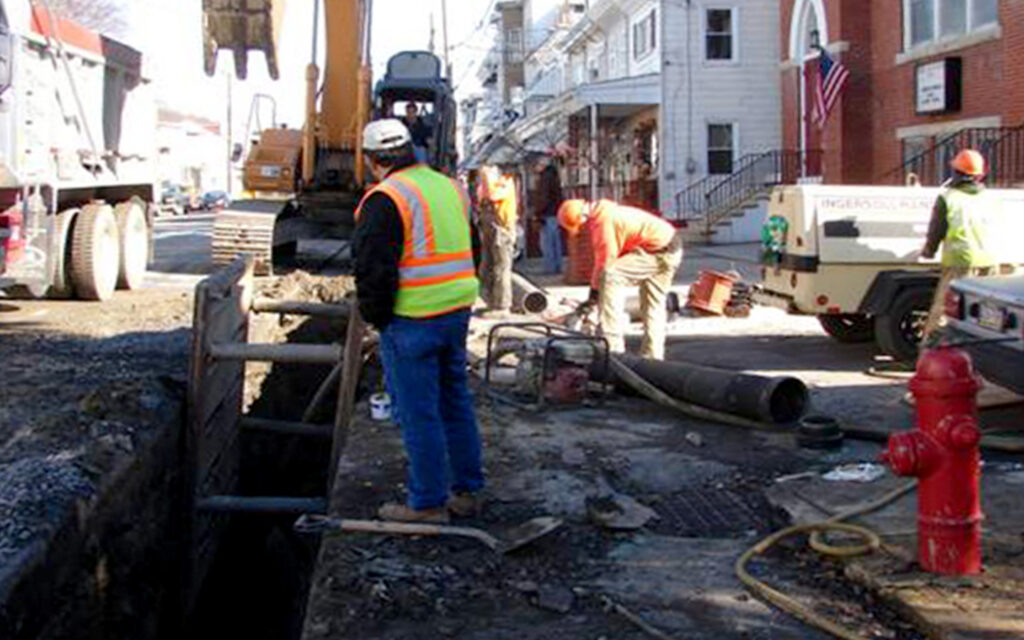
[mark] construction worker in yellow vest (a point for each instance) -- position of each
(958, 224)
(414, 253)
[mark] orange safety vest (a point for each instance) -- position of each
(436, 271)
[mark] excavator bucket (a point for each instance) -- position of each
(241, 26)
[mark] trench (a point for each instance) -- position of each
(260, 577)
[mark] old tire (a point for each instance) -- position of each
(94, 253)
(133, 244)
(848, 328)
(898, 330)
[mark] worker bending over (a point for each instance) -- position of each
(498, 217)
(416, 282)
(958, 223)
(631, 247)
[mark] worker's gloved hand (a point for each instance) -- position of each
(595, 295)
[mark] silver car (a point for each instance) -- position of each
(987, 316)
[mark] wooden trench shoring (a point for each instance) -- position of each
(224, 303)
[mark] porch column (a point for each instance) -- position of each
(593, 153)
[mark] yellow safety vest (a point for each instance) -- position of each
(965, 243)
(436, 271)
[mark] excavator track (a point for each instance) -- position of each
(247, 227)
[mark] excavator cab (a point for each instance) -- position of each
(241, 26)
(415, 77)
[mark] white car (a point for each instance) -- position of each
(987, 316)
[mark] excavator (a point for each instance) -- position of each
(302, 185)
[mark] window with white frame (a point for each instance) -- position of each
(645, 37)
(927, 20)
(721, 147)
(719, 34)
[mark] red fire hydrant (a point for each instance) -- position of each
(943, 453)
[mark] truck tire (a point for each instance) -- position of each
(848, 328)
(898, 330)
(95, 255)
(133, 244)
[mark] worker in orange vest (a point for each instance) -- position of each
(416, 282)
(631, 248)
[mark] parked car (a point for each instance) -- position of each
(215, 200)
(174, 199)
(987, 315)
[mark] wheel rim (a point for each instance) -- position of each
(912, 326)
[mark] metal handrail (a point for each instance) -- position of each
(758, 173)
(1003, 148)
(693, 194)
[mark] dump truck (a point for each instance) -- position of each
(851, 255)
(77, 158)
(302, 185)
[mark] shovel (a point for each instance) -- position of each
(515, 538)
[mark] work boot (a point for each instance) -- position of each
(466, 504)
(402, 513)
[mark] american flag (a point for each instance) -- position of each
(832, 76)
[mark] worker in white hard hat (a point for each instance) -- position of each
(415, 268)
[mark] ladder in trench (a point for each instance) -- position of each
(224, 303)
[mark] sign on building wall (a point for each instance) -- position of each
(937, 86)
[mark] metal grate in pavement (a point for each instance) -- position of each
(712, 513)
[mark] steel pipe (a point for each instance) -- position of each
(262, 504)
(777, 400)
(526, 296)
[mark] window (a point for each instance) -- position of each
(927, 20)
(645, 37)
(721, 146)
(514, 45)
(719, 33)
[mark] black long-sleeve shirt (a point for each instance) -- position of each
(377, 247)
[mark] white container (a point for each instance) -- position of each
(380, 407)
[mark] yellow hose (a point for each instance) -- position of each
(817, 542)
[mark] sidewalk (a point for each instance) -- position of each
(986, 607)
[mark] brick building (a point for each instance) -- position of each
(927, 76)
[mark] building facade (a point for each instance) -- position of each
(926, 78)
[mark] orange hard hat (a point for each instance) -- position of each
(572, 215)
(969, 162)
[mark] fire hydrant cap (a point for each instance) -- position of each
(944, 372)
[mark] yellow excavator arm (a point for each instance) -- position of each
(241, 26)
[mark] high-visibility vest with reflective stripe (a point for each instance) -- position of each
(965, 244)
(436, 271)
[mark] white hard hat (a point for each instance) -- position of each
(385, 135)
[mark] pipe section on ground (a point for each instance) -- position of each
(776, 400)
(526, 296)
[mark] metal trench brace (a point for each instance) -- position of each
(223, 304)
(551, 375)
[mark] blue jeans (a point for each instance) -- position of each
(551, 245)
(425, 366)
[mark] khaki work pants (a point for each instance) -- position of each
(653, 272)
(936, 315)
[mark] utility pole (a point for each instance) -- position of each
(430, 47)
(444, 35)
(227, 176)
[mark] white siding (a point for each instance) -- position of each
(649, 63)
(745, 92)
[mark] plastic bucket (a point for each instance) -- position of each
(380, 407)
(711, 292)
